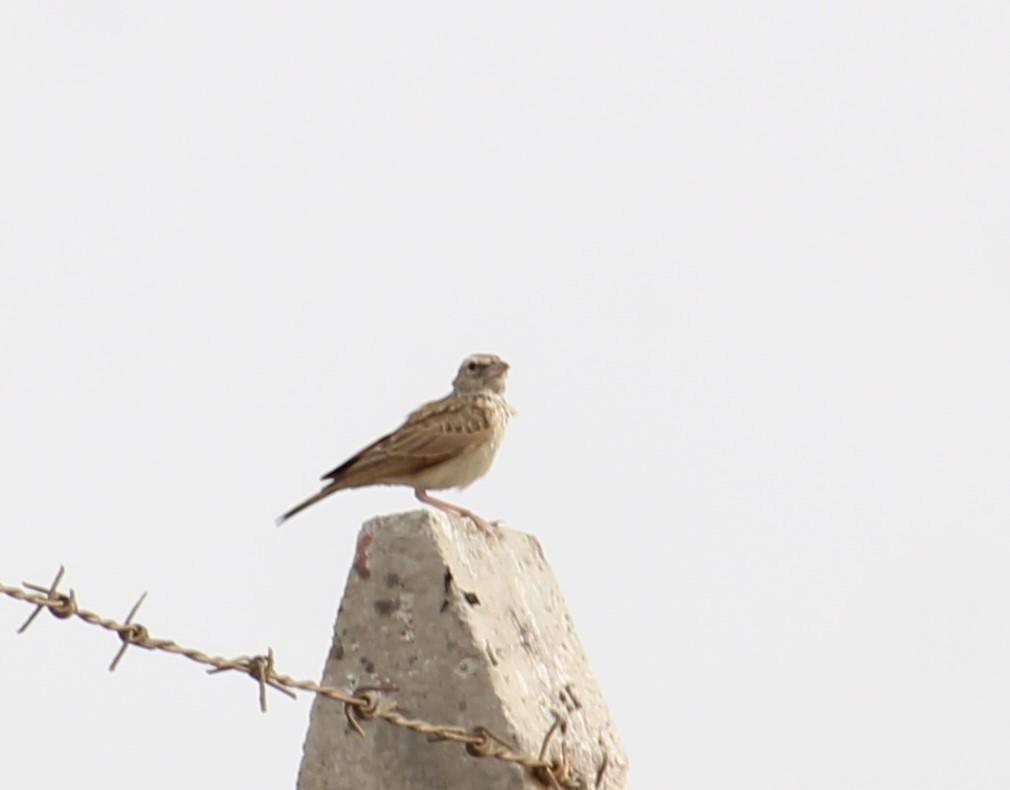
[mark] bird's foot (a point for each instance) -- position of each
(481, 524)
(455, 510)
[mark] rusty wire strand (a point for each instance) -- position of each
(363, 704)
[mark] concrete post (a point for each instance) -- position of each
(470, 630)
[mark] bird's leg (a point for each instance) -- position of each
(448, 507)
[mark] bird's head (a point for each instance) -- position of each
(480, 373)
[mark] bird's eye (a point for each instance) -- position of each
(472, 366)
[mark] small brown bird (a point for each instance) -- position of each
(447, 443)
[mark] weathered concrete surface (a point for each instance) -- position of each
(471, 630)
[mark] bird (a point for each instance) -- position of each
(447, 443)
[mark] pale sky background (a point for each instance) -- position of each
(750, 263)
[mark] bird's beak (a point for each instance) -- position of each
(499, 368)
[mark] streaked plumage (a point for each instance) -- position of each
(447, 443)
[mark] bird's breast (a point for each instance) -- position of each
(476, 460)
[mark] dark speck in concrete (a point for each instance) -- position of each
(386, 606)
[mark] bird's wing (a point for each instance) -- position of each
(433, 434)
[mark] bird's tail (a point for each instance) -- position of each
(331, 488)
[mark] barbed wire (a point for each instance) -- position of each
(364, 704)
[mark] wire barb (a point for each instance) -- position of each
(260, 669)
(131, 634)
(556, 773)
(61, 606)
(485, 746)
(365, 703)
